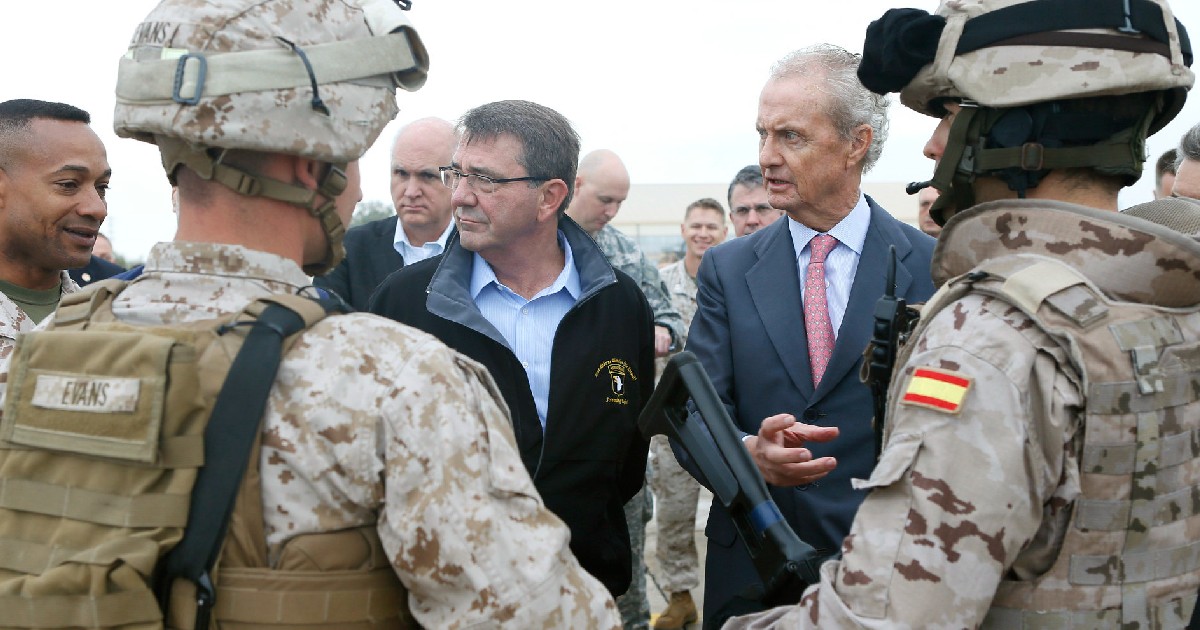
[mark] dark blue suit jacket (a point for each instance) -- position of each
(748, 332)
(370, 257)
(97, 269)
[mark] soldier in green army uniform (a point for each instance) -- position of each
(1041, 456)
(676, 492)
(601, 186)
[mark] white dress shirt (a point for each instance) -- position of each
(528, 325)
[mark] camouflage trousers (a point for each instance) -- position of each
(634, 606)
(675, 495)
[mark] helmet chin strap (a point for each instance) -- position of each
(332, 185)
(320, 203)
(1020, 145)
(955, 171)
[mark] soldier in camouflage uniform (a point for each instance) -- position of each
(1041, 452)
(369, 424)
(676, 492)
(51, 214)
(601, 185)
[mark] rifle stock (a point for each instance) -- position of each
(785, 563)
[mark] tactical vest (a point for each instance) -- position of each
(101, 442)
(1131, 556)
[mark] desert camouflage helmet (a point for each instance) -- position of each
(314, 78)
(996, 56)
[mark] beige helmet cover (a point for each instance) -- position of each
(356, 83)
(1015, 75)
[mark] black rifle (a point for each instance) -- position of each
(785, 564)
(893, 322)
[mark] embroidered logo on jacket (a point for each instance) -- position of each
(620, 378)
(942, 390)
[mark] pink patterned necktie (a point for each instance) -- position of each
(816, 310)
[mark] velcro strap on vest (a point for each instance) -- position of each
(1144, 341)
(1096, 514)
(180, 451)
(79, 611)
(264, 596)
(1119, 459)
(1126, 397)
(1130, 568)
(32, 558)
(197, 75)
(143, 510)
(310, 310)
(1029, 287)
(1173, 613)
(79, 307)
(1145, 484)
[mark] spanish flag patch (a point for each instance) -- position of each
(942, 390)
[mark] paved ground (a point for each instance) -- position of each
(657, 600)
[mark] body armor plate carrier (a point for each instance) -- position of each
(108, 429)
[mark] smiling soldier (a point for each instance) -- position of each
(53, 177)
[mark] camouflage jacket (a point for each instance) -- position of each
(980, 490)
(373, 422)
(14, 321)
(682, 289)
(623, 253)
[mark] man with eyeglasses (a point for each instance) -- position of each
(1187, 166)
(522, 288)
(749, 210)
(421, 225)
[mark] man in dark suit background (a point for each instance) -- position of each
(103, 263)
(421, 224)
(770, 309)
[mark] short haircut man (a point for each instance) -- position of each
(1187, 165)
(783, 316)
(749, 210)
(601, 186)
(422, 223)
(675, 491)
(54, 175)
(1164, 173)
(521, 288)
(103, 248)
(925, 199)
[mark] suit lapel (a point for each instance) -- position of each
(775, 289)
(384, 257)
(869, 281)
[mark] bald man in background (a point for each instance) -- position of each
(601, 186)
(421, 225)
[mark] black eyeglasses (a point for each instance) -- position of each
(480, 183)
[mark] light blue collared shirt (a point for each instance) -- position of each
(842, 262)
(412, 254)
(528, 325)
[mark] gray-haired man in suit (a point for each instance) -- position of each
(784, 314)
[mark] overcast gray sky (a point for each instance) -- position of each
(670, 85)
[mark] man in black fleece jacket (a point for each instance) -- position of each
(570, 342)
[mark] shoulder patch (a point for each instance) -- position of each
(937, 389)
